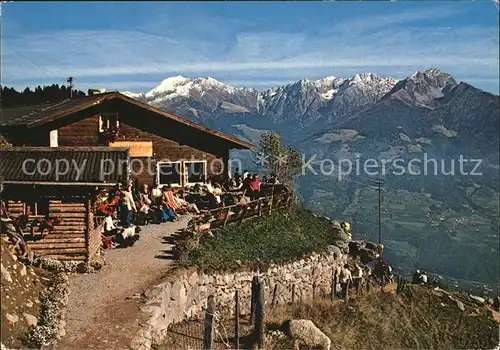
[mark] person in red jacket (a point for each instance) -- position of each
(255, 187)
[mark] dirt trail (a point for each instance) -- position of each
(103, 307)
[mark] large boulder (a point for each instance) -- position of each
(306, 332)
(335, 251)
(366, 251)
(341, 238)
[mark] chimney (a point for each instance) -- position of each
(53, 138)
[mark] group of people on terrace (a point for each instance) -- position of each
(127, 207)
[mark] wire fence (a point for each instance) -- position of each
(213, 331)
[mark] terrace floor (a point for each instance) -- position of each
(103, 307)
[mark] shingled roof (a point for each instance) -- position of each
(45, 165)
(42, 114)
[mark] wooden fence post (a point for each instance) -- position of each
(293, 294)
(259, 317)
(260, 206)
(346, 296)
(209, 324)
(227, 216)
(243, 212)
(271, 202)
(314, 289)
(237, 321)
(334, 285)
(255, 281)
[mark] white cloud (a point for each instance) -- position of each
(254, 56)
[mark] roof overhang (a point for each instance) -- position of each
(38, 183)
(237, 143)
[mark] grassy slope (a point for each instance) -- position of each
(386, 321)
(279, 237)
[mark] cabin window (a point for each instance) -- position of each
(196, 171)
(108, 121)
(169, 173)
(39, 207)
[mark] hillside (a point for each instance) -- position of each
(20, 292)
(420, 318)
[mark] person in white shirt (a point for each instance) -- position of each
(109, 224)
(127, 207)
(358, 279)
(156, 192)
(215, 190)
(110, 230)
(345, 279)
(423, 278)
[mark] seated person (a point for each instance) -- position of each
(215, 190)
(144, 203)
(156, 191)
(183, 204)
(197, 189)
(168, 204)
(110, 230)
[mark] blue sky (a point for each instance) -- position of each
(134, 45)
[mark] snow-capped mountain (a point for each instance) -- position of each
(365, 103)
(304, 102)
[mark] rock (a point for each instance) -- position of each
(335, 251)
(23, 270)
(306, 331)
(476, 298)
(6, 274)
(12, 318)
(193, 279)
(460, 305)
(29, 304)
(32, 320)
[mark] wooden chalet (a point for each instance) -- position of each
(162, 146)
(33, 186)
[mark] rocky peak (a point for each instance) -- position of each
(423, 89)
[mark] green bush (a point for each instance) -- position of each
(282, 236)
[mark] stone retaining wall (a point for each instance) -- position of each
(184, 298)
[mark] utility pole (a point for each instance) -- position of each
(379, 189)
(70, 82)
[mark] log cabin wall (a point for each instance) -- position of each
(68, 239)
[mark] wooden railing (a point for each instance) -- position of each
(236, 214)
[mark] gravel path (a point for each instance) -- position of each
(103, 307)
